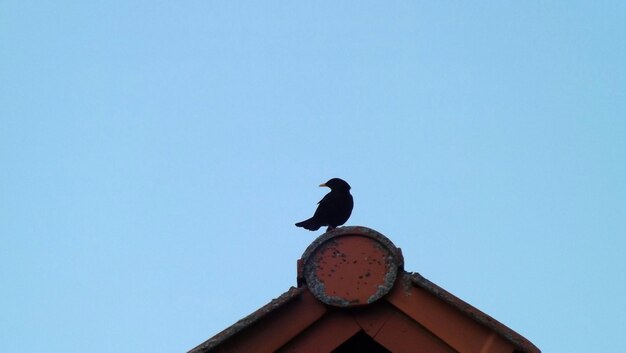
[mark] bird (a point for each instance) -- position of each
(334, 209)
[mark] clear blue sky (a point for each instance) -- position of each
(155, 156)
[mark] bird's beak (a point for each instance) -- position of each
(323, 185)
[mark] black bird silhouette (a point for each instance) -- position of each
(334, 209)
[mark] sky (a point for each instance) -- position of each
(156, 155)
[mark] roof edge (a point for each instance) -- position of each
(240, 325)
(501, 329)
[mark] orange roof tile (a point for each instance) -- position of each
(352, 285)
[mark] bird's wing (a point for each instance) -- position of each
(326, 206)
(325, 199)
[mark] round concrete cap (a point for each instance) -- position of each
(351, 266)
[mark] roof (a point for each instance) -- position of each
(351, 281)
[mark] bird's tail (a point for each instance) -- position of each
(309, 224)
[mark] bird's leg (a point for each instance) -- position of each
(330, 228)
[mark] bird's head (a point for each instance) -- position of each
(336, 184)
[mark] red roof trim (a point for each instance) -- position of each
(412, 279)
(240, 325)
(516, 339)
